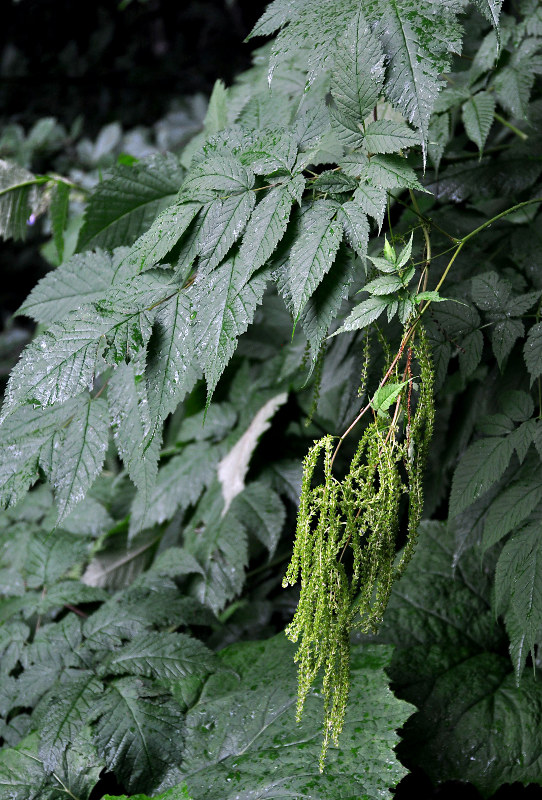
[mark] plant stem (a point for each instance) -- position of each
(523, 136)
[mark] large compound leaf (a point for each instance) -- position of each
(242, 740)
(64, 360)
(480, 467)
(474, 724)
(124, 205)
(139, 732)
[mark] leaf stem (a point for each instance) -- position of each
(523, 136)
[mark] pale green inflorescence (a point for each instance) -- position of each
(359, 514)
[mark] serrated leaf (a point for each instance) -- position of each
(387, 136)
(64, 713)
(532, 351)
(26, 439)
(517, 405)
(139, 732)
(225, 303)
(216, 174)
(271, 755)
(18, 200)
(64, 361)
(124, 205)
(391, 172)
(161, 656)
(372, 200)
(270, 151)
(386, 395)
(490, 292)
(356, 226)
(358, 74)
(326, 301)
(83, 279)
(410, 39)
(153, 246)
(449, 661)
(478, 117)
(266, 227)
(313, 252)
(223, 225)
(262, 512)
(21, 771)
(216, 118)
(504, 335)
(479, 468)
(518, 581)
(60, 201)
(171, 371)
(491, 10)
(387, 284)
(363, 314)
(511, 508)
(131, 423)
(178, 485)
(80, 456)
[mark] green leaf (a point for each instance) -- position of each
(517, 405)
(18, 200)
(82, 279)
(372, 200)
(391, 172)
(21, 771)
(358, 74)
(491, 10)
(162, 656)
(267, 226)
(412, 81)
(225, 303)
(223, 226)
(60, 201)
(270, 151)
(63, 713)
(387, 136)
(448, 661)
(364, 313)
(171, 372)
(178, 485)
(479, 468)
(216, 174)
(433, 297)
(518, 581)
(313, 252)
(244, 726)
(153, 246)
(123, 206)
(386, 395)
(64, 360)
(387, 284)
(80, 457)
(532, 351)
(511, 508)
(139, 732)
(478, 117)
(503, 338)
(262, 512)
(216, 118)
(26, 440)
(356, 226)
